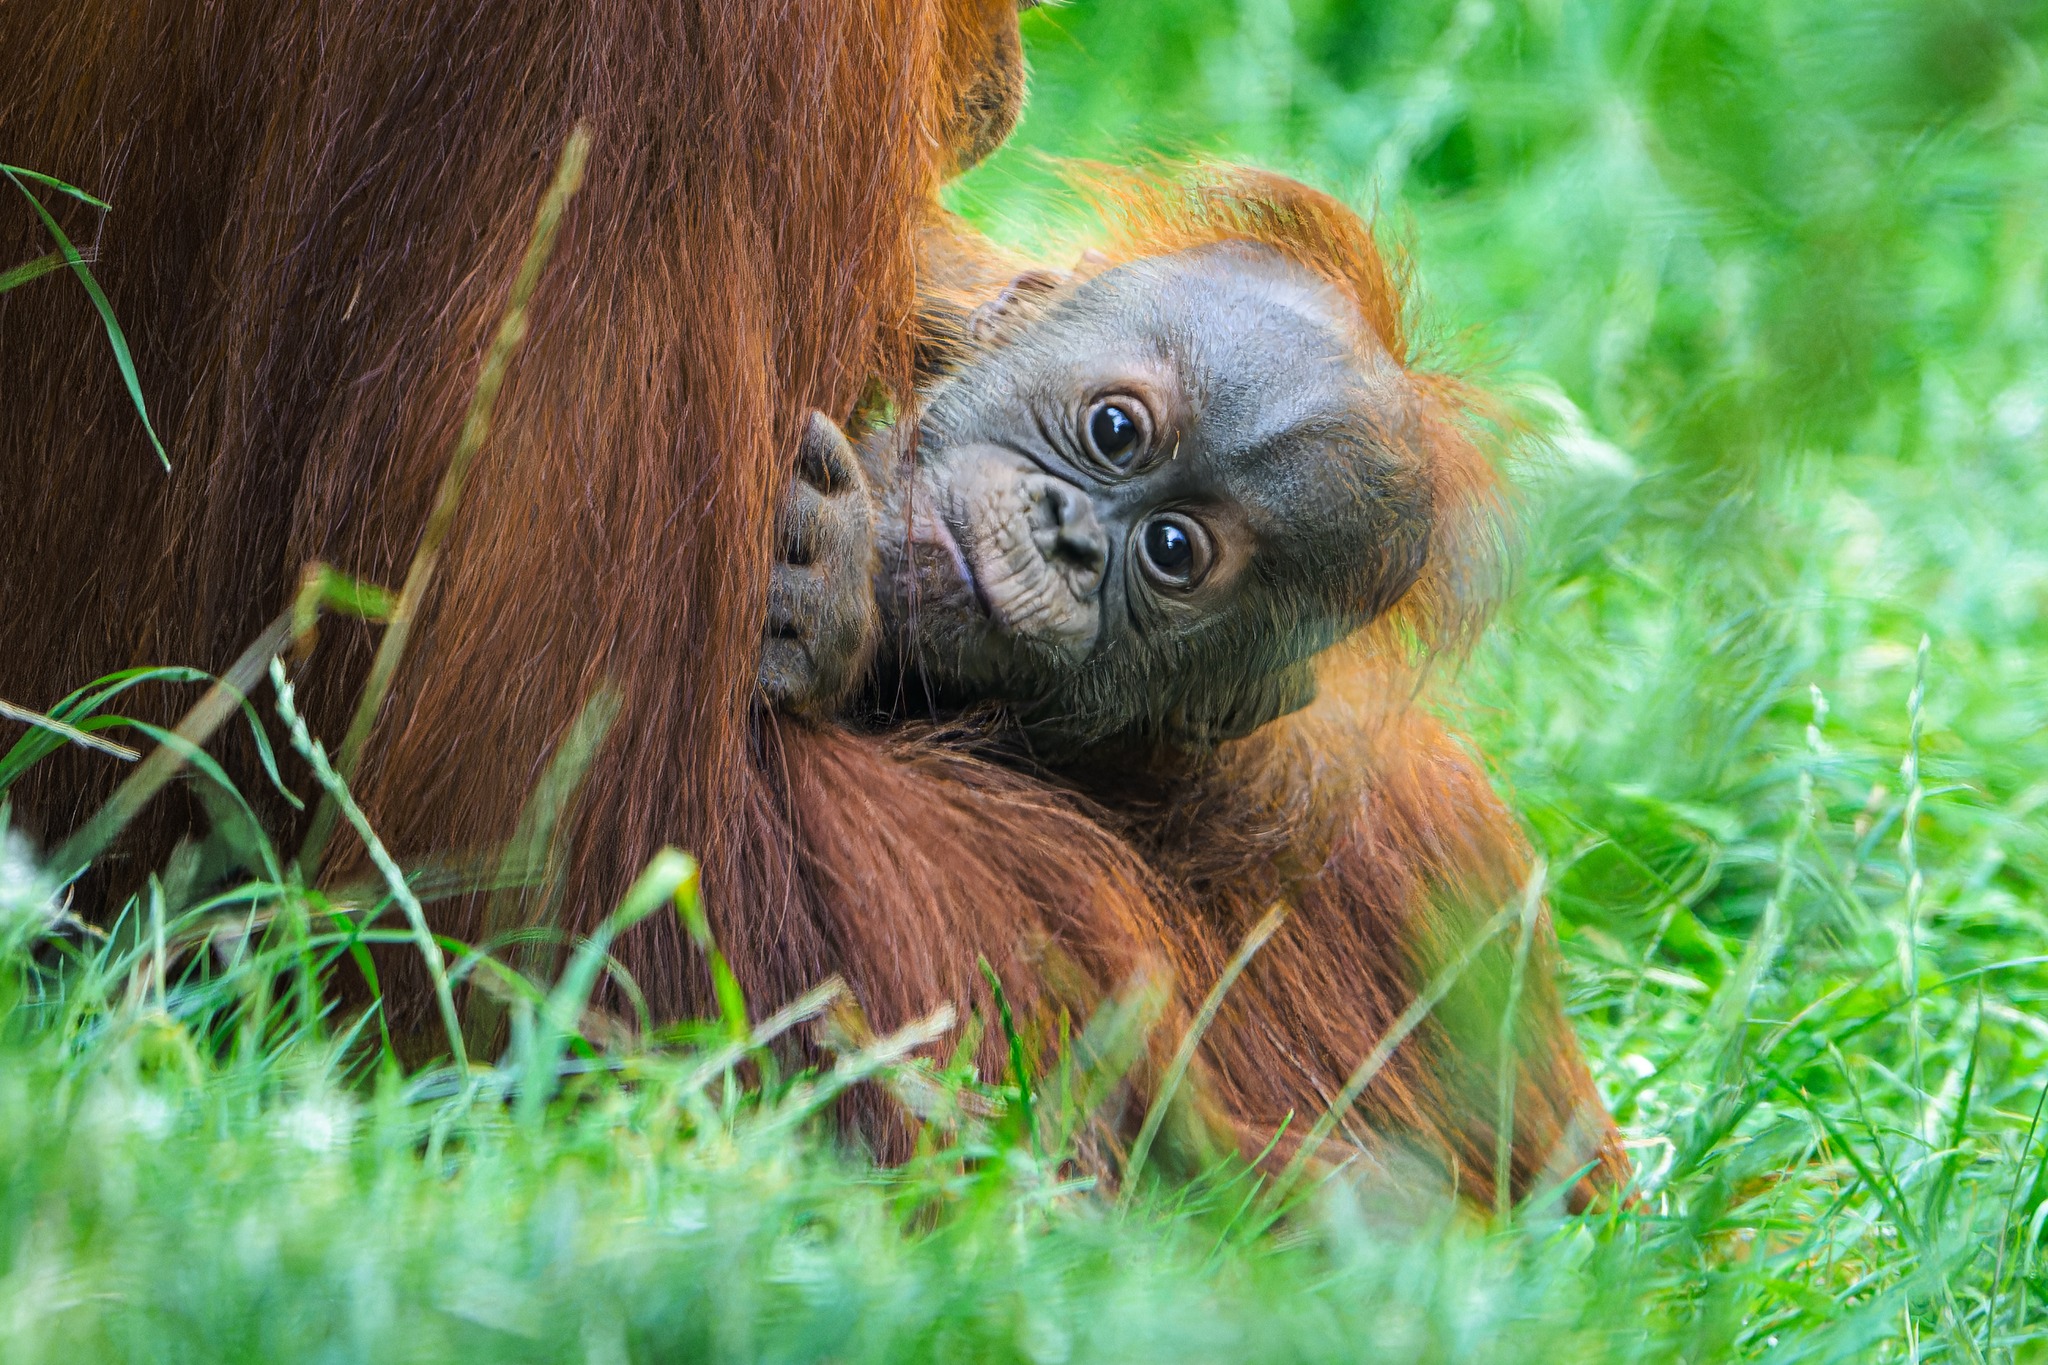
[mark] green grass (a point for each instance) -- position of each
(1770, 277)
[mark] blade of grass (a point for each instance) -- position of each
(322, 587)
(732, 1001)
(806, 1098)
(530, 858)
(212, 709)
(267, 757)
(1184, 1055)
(1102, 1054)
(315, 755)
(21, 274)
(2005, 1229)
(1909, 858)
(1510, 1065)
(10, 711)
(115, 337)
(62, 187)
(726, 1056)
(1893, 1192)
(208, 767)
(664, 878)
(1732, 1011)
(1019, 1069)
(1944, 1178)
(1404, 1024)
(76, 708)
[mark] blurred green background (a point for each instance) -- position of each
(1769, 276)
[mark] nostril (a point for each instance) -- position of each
(1084, 548)
(1072, 532)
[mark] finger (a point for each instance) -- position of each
(842, 537)
(785, 674)
(797, 597)
(797, 525)
(818, 634)
(806, 667)
(824, 457)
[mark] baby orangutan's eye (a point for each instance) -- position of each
(1116, 431)
(1174, 551)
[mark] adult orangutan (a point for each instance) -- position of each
(317, 209)
(1148, 497)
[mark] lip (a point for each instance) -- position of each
(941, 534)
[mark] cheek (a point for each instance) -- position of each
(1407, 530)
(913, 553)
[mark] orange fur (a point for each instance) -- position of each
(318, 208)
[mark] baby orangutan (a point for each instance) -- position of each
(1142, 501)
(1131, 506)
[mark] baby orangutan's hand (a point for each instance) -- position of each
(822, 620)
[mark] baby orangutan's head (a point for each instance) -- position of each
(1151, 496)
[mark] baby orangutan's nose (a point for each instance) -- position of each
(1064, 527)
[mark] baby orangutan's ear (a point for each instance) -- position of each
(1204, 722)
(1001, 315)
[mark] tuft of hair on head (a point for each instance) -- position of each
(1166, 207)
(1155, 209)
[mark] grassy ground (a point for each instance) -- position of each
(1772, 694)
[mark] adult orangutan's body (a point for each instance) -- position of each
(317, 210)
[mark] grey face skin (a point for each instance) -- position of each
(1147, 502)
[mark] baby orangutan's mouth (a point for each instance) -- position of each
(935, 530)
(977, 557)
(1021, 591)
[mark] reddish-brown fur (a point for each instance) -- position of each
(1370, 822)
(318, 206)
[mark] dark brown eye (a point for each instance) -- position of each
(1114, 433)
(1175, 552)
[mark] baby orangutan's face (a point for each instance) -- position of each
(1151, 500)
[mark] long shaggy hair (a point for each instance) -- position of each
(318, 206)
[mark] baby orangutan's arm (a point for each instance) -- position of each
(821, 624)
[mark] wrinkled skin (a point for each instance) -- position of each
(1142, 507)
(822, 620)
